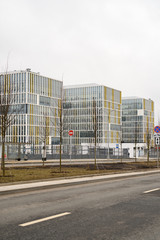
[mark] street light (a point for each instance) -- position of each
(109, 129)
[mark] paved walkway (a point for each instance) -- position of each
(21, 187)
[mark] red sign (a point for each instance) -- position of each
(70, 132)
(157, 129)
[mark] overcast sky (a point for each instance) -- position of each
(111, 42)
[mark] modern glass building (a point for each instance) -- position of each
(37, 98)
(82, 103)
(137, 121)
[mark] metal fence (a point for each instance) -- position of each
(21, 151)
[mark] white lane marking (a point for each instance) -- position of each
(152, 190)
(44, 219)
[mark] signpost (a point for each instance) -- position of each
(157, 141)
(117, 148)
(70, 133)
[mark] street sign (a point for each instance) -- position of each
(157, 129)
(70, 132)
(157, 140)
(117, 145)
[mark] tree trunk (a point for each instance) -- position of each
(3, 160)
(135, 152)
(60, 147)
(95, 164)
(60, 158)
(121, 152)
(148, 143)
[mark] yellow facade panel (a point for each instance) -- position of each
(112, 98)
(120, 98)
(47, 140)
(152, 106)
(144, 104)
(111, 136)
(37, 135)
(55, 122)
(105, 97)
(32, 83)
(117, 135)
(105, 136)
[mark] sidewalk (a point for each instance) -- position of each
(44, 184)
(74, 161)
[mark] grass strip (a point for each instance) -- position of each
(16, 174)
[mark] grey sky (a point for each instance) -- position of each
(110, 42)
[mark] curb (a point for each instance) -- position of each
(50, 184)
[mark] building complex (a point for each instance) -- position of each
(85, 104)
(95, 113)
(36, 99)
(137, 124)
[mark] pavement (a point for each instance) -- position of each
(10, 188)
(85, 160)
(55, 162)
(65, 160)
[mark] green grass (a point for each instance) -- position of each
(16, 174)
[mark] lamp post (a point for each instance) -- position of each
(109, 130)
(108, 135)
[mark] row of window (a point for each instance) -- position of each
(16, 82)
(44, 86)
(13, 98)
(92, 92)
(137, 104)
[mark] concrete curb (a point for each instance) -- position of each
(49, 184)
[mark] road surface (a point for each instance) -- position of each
(126, 209)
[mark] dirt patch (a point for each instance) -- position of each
(116, 166)
(27, 173)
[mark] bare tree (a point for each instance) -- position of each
(95, 130)
(120, 137)
(44, 135)
(64, 123)
(8, 111)
(148, 138)
(59, 123)
(60, 115)
(136, 139)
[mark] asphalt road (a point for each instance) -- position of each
(108, 210)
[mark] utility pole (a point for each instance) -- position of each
(95, 131)
(108, 135)
(109, 130)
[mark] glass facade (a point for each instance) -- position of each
(81, 104)
(137, 119)
(37, 99)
